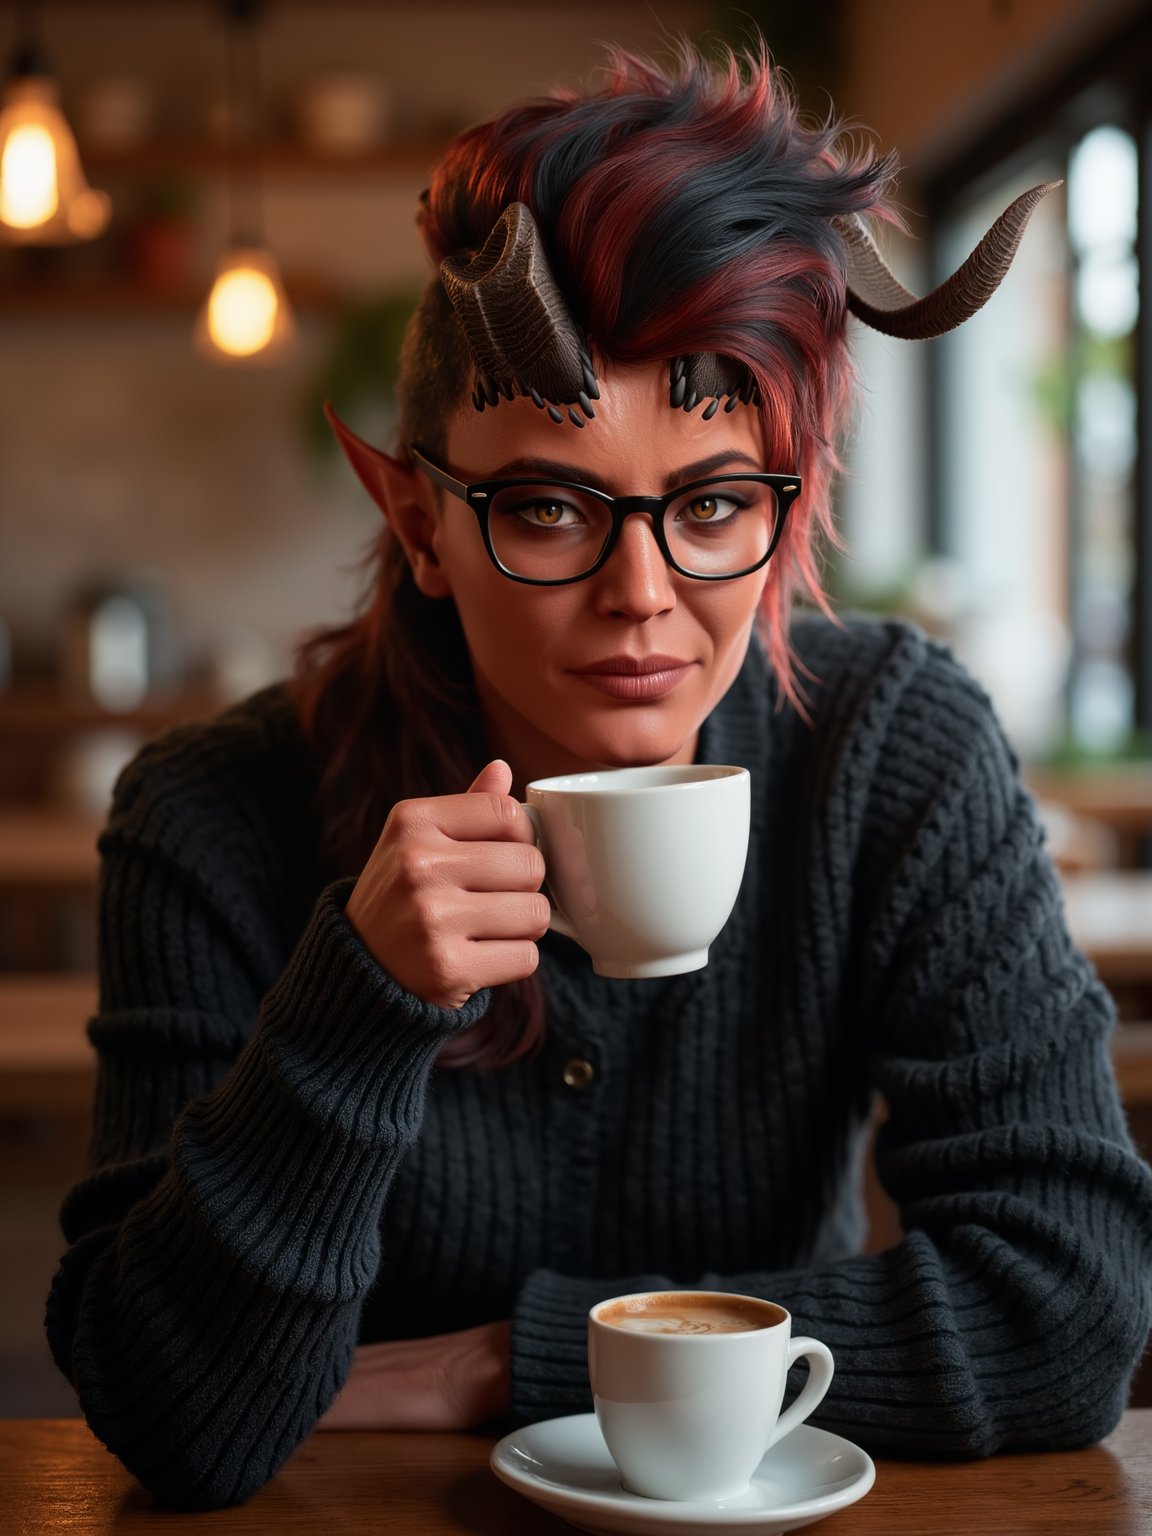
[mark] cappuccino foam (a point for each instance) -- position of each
(685, 1314)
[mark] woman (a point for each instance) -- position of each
(368, 1140)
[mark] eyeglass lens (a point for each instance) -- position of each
(549, 532)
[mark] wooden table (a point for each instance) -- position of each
(55, 1478)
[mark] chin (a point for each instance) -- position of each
(636, 750)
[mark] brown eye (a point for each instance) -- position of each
(540, 509)
(703, 509)
(712, 507)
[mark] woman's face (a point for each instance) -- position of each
(537, 651)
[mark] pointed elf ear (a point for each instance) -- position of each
(398, 491)
(381, 475)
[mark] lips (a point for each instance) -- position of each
(635, 678)
(632, 666)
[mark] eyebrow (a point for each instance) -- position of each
(554, 469)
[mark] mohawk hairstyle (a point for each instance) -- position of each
(684, 210)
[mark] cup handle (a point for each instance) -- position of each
(557, 922)
(811, 1394)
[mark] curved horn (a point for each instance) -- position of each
(517, 325)
(876, 297)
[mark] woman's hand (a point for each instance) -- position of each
(450, 900)
(449, 1381)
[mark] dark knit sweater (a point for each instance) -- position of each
(278, 1171)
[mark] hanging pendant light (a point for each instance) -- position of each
(44, 196)
(246, 317)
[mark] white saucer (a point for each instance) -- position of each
(564, 1465)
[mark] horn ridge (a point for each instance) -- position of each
(696, 376)
(515, 320)
(881, 301)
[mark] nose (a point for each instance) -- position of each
(636, 582)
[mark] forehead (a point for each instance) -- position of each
(636, 443)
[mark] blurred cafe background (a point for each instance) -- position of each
(207, 228)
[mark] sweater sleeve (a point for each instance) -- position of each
(1014, 1310)
(253, 1101)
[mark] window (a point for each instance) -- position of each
(1012, 512)
(1034, 447)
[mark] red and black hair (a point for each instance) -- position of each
(683, 209)
(691, 210)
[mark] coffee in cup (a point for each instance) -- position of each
(688, 1387)
(689, 1312)
(643, 864)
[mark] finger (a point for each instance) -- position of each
(466, 966)
(445, 866)
(494, 779)
(475, 817)
(497, 961)
(491, 867)
(510, 915)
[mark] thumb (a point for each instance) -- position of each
(494, 779)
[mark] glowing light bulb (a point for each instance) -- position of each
(29, 189)
(246, 316)
(242, 311)
(44, 196)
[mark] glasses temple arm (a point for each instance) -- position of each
(441, 477)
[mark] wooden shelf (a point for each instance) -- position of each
(117, 297)
(42, 1019)
(1109, 915)
(47, 850)
(1118, 794)
(43, 710)
(277, 157)
(46, 1062)
(55, 747)
(1132, 1060)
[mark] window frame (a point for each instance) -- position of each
(1109, 84)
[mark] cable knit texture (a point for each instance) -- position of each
(278, 1169)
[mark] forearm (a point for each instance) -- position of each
(1007, 1342)
(1011, 1315)
(1015, 1309)
(449, 1381)
(209, 1325)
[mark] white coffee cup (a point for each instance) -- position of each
(643, 864)
(689, 1414)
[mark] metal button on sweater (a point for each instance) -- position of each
(578, 1073)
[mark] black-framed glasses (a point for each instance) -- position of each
(550, 532)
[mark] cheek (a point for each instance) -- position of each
(510, 628)
(729, 615)
(729, 625)
(474, 583)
